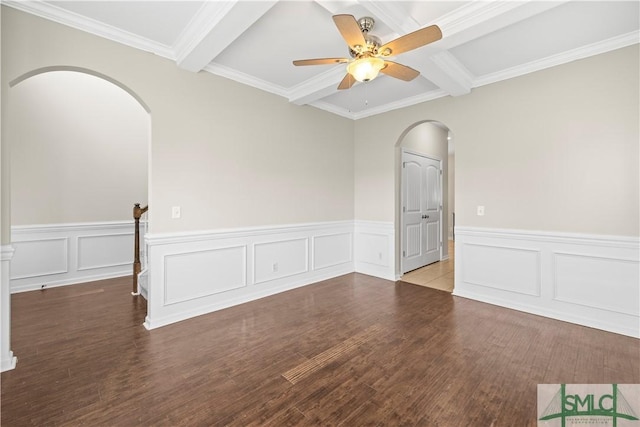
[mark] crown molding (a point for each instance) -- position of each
(317, 87)
(406, 102)
(593, 49)
(229, 73)
(332, 108)
(402, 103)
(71, 19)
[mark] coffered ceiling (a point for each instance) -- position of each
(255, 42)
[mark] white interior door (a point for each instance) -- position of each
(421, 209)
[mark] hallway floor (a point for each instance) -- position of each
(438, 275)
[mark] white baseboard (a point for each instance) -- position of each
(65, 254)
(191, 274)
(9, 362)
(590, 280)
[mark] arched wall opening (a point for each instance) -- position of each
(434, 140)
(79, 145)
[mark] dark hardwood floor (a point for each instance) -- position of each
(351, 351)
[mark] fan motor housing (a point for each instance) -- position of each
(371, 48)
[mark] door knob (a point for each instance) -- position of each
(425, 216)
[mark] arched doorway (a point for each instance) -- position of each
(431, 141)
(78, 144)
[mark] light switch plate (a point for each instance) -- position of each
(480, 210)
(175, 212)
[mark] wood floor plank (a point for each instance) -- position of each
(386, 354)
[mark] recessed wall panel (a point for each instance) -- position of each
(199, 274)
(504, 268)
(331, 250)
(37, 258)
(108, 250)
(372, 249)
(275, 260)
(599, 282)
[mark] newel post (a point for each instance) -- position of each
(137, 213)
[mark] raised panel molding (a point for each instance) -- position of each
(40, 257)
(65, 254)
(280, 259)
(204, 273)
(374, 249)
(92, 254)
(591, 280)
(578, 278)
(331, 249)
(502, 267)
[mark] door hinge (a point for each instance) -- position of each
(440, 172)
(404, 164)
(404, 254)
(440, 207)
(404, 209)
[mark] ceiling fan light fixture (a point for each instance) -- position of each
(365, 69)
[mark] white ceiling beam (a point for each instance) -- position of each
(334, 7)
(445, 71)
(216, 25)
(317, 87)
(393, 14)
(439, 67)
(466, 23)
(433, 61)
(477, 19)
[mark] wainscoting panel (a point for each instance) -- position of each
(374, 251)
(191, 274)
(276, 260)
(586, 279)
(331, 250)
(92, 254)
(41, 257)
(64, 254)
(200, 274)
(498, 267)
(610, 284)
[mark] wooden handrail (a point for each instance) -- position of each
(137, 213)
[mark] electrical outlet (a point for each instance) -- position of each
(175, 212)
(274, 267)
(480, 210)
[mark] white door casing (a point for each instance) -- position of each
(421, 211)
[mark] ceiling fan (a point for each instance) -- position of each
(369, 53)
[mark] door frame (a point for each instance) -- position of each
(402, 188)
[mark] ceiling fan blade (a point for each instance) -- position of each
(399, 71)
(320, 61)
(411, 41)
(347, 82)
(350, 30)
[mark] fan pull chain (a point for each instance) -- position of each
(349, 99)
(366, 94)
